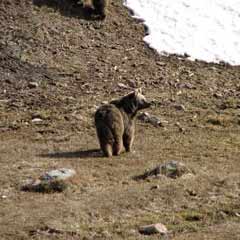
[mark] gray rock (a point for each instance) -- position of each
(148, 118)
(58, 174)
(153, 229)
(53, 181)
(171, 169)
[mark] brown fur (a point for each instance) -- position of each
(115, 123)
(100, 7)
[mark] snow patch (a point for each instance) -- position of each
(207, 30)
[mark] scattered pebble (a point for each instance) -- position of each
(33, 84)
(155, 187)
(180, 107)
(37, 120)
(147, 118)
(79, 117)
(106, 234)
(217, 95)
(187, 85)
(153, 229)
(181, 129)
(179, 93)
(237, 214)
(188, 176)
(132, 83)
(161, 63)
(121, 85)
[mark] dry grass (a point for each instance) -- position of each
(78, 63)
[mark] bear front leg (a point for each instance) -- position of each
(128, 138)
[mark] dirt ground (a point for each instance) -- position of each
(58, 64)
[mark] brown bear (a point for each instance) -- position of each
(115, 122)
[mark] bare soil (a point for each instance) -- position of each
(58, 64)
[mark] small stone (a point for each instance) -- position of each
(155, 121)
(217, 95)
(155, 187)
(33, 84)
(191, 192)
(121, 85)
(132, 232)
(79, 117)
(161, 63)
(180, 107)
(186, 85)
(104, 102)
(41, 115)
(179, 93)
(181, 129)
(132, 83)
(188, 176)
(106, 234)
(37, 120)
(9, 81)
(4, 196)
(153, 229)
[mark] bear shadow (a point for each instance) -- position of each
(92, 153)
(69, 8)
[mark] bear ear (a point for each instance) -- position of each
(138, 91)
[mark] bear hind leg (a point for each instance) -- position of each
(107, 149)
(117, 147)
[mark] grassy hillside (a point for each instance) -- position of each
(57, 64)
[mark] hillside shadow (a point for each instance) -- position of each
(69, 8)
(92, 153)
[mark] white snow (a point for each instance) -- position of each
(207, 30)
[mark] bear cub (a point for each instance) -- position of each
(115, 122)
